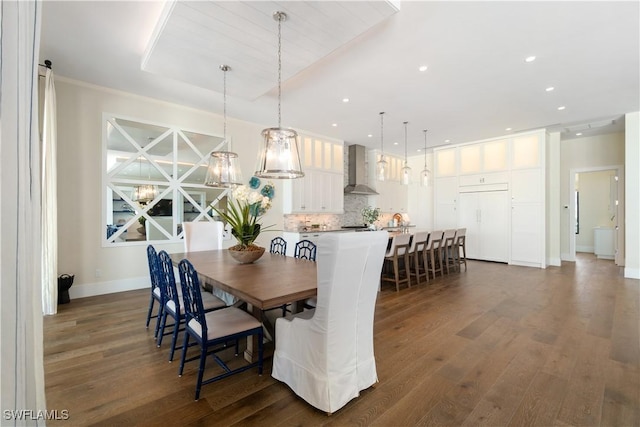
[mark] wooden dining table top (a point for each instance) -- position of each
(269, 282)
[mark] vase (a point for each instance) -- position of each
(246, 256)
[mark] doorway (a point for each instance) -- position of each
(597, 212)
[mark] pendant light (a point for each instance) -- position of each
(144, 193)
(425, 175)
(382, 169)
(406, 170)
(279, 157)
(223, 170)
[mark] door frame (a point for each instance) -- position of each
(619, 235)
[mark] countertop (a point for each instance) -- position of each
(319, 230)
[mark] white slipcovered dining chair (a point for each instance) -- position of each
(206, 236)
(202, 235)
(326, 355)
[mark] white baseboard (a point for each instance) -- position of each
(587, 249)
(568, 257)
(555, 262)
(632, 273)
(103, 288)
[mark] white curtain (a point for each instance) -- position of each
(49, 200)
(21, 365)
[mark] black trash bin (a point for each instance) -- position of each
(64, 283)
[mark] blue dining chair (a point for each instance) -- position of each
(173, 302)
(154, 277)
(278, 246)
(305, 249)
(213, 330)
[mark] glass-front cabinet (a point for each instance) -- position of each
(153, 180)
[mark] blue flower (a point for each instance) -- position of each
(268, 191)
(254, 182)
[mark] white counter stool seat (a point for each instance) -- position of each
(397, 257)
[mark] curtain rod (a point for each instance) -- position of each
(47, 64)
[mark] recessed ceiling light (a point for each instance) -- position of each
(395, 143)
(369, 136)
(579, 134)
(423, 68)
(345, 100)
(447, 140)
(561, 108)
(334, 125)
(530, 58)
(550, 89)
(419, 150)
(508, 129)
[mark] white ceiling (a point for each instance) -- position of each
(476, 86)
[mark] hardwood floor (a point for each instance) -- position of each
(497, 345)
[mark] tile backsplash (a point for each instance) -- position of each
(353, 205)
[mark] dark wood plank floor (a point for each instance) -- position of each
(497, 345)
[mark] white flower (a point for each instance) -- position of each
(266, 203)
(254, 197)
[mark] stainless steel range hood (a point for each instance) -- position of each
(357, 173)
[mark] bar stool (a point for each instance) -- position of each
(417, 257)
(432, 253)
(398, 250)
(459, 246)
(448, 257)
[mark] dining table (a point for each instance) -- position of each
(270, 282)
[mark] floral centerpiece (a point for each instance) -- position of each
(244, 210)
(370, 214)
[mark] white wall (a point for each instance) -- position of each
(80, 109)
(584, 153)
(632, 195)
(553, 205)
(594, 191)
(420, 203)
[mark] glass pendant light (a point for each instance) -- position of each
(406, 170)
(223, 170)
(279, 157)
(425, 175)
(144, 193)
(382, 167)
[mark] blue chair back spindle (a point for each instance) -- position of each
(305, 249)
(278, 246)
(191, 295)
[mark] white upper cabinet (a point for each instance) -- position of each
(392, 195)
(526, 151)
(484, 157)
(446, 164)
(322, 155)
(321, 189)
